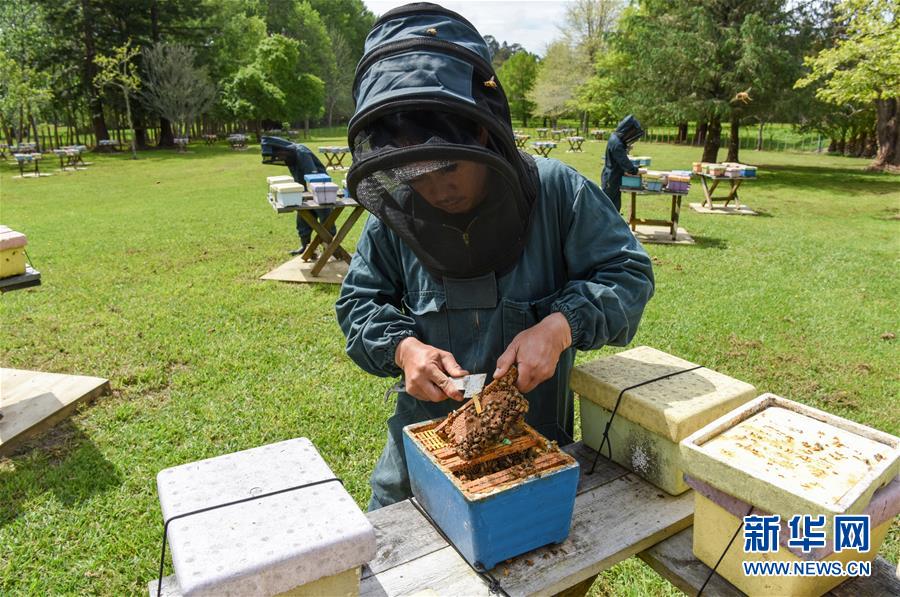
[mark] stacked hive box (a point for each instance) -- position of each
(311, 540)
(523, 503)
(12, 252)
(311, 178)
(653, 418)
(324, 193)
(288, 194)
(654, 180)
(784, 458)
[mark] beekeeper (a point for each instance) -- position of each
(479, 256)
(616, 162)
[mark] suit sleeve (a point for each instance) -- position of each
(369, 306)
(610, 274)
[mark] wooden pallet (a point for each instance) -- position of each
(31, 401)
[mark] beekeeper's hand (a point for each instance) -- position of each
(427, 371)
(535, 351)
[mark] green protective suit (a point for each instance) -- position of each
(580, 259)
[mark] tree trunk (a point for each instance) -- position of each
(713, 140)
(166, 138)
(682, 132)
(734, 140)
(700, 134)
(306, 128)
(130, 124)
(56, 130)
(759, 135)
(38, 145)
(887, 129)
(95, 104)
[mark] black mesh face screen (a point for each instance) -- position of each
(461, 217)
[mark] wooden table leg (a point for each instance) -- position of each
(316, 240)
(676, 214)
(733, 195)
(633, 217)
(336, 241)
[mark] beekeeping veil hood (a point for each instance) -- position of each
(629, 130)
(434, 157)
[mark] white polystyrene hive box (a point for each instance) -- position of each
(264, 546)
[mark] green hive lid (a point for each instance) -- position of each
(673, 407)
(788, 458)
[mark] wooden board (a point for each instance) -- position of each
(297, 270)
(662, 235)
(674, 560)
(31, 401)
(30, 278)
(727, 210)
(616, 515)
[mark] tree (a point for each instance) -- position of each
(562, 71)
(688, 61)
(308, 100)
(518, 75)
(174, 87)
(300, 21)
(588, 22)
(119, 71)
(861, 69)
(501, 53)
(23, 93)
(339, 78)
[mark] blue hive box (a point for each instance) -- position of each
(631, 182)
(308, 178)
(496, 517)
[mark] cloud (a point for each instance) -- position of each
(532, 23)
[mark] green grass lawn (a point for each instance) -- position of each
(151, 278)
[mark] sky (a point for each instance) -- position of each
(532, 23)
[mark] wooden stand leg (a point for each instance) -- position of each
(335, 243)
(633, 217)
(316, 240)
(674, 217)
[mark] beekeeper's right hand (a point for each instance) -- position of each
(427, 371)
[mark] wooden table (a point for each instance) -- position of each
(31, 158)
(334, 157)
(676, 210)
(237, 141)
(575, 143)
(321, 236)
(542, 133)
(557, 134)
(709, 189)
(674, 560)
(597, 134)
(210, 138)
(543, 147)
(617, 515)
(521, 140)
(70, 156)
(108, 145)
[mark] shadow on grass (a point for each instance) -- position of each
(706, 242)
(841, 181)
(64, 461)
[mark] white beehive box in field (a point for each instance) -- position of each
(653, 418)
(314, 537)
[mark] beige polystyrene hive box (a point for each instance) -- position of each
(653, 418)
(788, 458)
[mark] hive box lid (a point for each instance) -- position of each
(788, 458)
(287, 187)
(316, 178)
(10, 239)
(277, 179)
(674, 407)
(263, 546)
